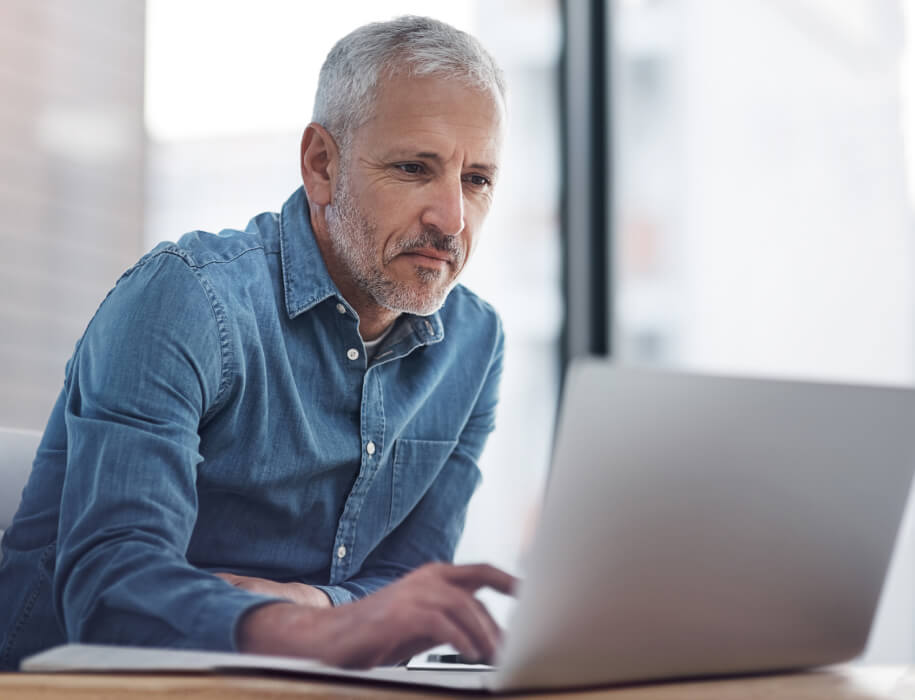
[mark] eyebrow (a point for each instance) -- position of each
(485, 167)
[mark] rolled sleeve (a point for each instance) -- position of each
(338, 594)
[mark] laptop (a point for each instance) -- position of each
(693, 526)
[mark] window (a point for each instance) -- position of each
(763, 201)
(72, 150)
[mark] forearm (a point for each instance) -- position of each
(131, 593)
(292, 591)
(280, 629)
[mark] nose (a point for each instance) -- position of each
(445, 209)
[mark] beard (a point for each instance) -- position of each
(353, 237)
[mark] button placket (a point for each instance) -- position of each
(344, 556)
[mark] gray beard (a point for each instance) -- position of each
(352, 236)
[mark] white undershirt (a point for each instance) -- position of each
(371, 346)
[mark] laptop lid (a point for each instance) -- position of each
(700, 525)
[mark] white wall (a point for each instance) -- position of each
(72, 149)
(766, 226)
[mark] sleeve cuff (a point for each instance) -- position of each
(337, 594)
(221, 619)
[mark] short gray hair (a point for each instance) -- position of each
(409, 45)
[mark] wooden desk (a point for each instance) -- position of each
(837, 683)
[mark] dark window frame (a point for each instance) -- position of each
(586, 209)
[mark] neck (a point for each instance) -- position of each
(370, 329)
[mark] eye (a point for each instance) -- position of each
(478, 180)
(411, 168)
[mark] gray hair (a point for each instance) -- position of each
(409, 45)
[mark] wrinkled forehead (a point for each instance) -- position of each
(433, 107)
(394, 85)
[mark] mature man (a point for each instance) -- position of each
(260, 430)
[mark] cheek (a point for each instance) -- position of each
(470, 240)
(398, 215)
(476, 209)
(473, 220)
(387, 242)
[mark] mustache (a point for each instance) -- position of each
(450, 245)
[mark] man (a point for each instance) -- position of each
(260, 430)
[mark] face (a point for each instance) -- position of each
(412, 192)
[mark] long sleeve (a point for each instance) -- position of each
(137, 390)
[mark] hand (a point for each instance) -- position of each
(296, 592)
(432, 605)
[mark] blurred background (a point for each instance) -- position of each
(722, 185)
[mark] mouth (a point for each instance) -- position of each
(429, 257)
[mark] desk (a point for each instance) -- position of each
(837, 683)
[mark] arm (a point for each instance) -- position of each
(150, 368)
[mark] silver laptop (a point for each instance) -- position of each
(693, 526)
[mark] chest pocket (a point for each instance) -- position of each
(416, 464)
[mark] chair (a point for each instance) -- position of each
(17, 450)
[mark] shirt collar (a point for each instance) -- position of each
(307, 282)
(305, 277)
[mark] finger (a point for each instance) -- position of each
(441, 627)
(405, 649)
(429, 628)
(230, 578)
(470, 577)
(463, 609)
(475, 620)
(494, 630)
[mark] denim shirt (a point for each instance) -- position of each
(218, 414)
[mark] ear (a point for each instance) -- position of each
(319, 160)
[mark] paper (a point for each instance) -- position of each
(96, 658)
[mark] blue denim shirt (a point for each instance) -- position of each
(218, 414)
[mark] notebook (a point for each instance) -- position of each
(693, 526)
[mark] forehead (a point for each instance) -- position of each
(434, 114)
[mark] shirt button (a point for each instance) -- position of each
(370, 448)
(341, 308)
(341, 552)
(352, 354)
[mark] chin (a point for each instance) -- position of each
(407, 301)
(421, 293)
(426, 308)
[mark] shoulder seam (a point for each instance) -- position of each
(199, 266)
(226, 356)
(193, 263)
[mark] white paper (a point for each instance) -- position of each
(107, 659)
